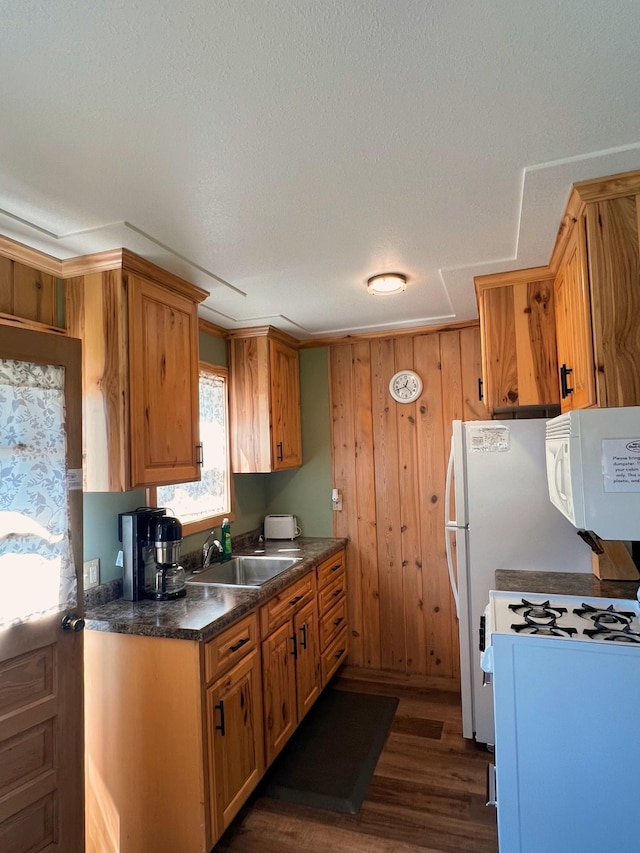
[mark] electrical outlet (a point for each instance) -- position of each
(91, 573)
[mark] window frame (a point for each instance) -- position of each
(209, 521)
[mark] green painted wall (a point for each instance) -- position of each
(305, 491)
(100, 527)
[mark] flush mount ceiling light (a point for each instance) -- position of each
(387, 282)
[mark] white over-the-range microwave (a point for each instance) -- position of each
(593, 470)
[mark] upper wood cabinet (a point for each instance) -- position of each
(573, 325)
(518, 340)
(28, 293)
(597, 258)
(264, 401)
(139, 328)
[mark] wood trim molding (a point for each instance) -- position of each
(482, 282)
(573, 211)
(128, 261)
(613, 186)
(264, 331)
(12, 320)
(388, 333)
(212, 329)
(30, 257)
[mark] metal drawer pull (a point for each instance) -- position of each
(339, 653)
(336, 593)
(336, 567)
(239, 644)
(294, 651)
(280, 451)
(296, 600)
(303, 641)
(337, 621)
(220, 707)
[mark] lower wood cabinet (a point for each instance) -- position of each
(233, 721)
(332, 610)
(235, 740)
(179, 733)
(290, 661)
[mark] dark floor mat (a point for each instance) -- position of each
(329, 761)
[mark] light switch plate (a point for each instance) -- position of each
(91, 573)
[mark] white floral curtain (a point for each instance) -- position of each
(37, 573)
(208, 496)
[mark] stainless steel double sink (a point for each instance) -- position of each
(251, 571)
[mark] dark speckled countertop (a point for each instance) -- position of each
(564, 583)
(207, 610)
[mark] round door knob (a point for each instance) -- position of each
(72, 622)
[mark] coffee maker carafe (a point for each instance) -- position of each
(169, 576)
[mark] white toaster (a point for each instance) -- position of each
(281, 527)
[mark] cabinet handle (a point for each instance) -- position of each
(336, 593)
(336, 567)
(480, 390)
(295, 600)
(239, 644)
(294, 651)
(303, 639)
(220, 707)
(199, 454)
(339, 653)
(565, 390)
(280, 451)
(337, 621)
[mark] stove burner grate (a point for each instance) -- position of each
(603, 616)
(544, 629)
(538, 610)
(613, 635)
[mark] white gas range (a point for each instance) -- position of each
(566, 681)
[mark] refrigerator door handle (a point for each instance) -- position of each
(450, 527)
(452, 580)
(447, 489)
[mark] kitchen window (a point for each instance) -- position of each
(204, 503)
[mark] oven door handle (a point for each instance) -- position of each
(492, 785)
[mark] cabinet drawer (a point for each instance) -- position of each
(328, 596)
(334, 655)
(230, 646)
(327, 569)
(282, 606)
(333, 622)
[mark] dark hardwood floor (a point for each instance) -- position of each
(427, 794)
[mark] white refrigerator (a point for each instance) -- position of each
(499, 516)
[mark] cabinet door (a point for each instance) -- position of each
(518, 331)
(279, 680)
(235, 740)
(573, 325)
(163, 377)
(308, 680)
(286, 443)
(613, 239)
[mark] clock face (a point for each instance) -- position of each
(405, 386)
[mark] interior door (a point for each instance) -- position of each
(41, 730)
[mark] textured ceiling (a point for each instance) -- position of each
(279, 153)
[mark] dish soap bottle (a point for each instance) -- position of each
(225, 531)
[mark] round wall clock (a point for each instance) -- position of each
(405, 386)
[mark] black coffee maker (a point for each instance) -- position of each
(151, 546)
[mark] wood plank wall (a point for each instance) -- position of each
(389, 463)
